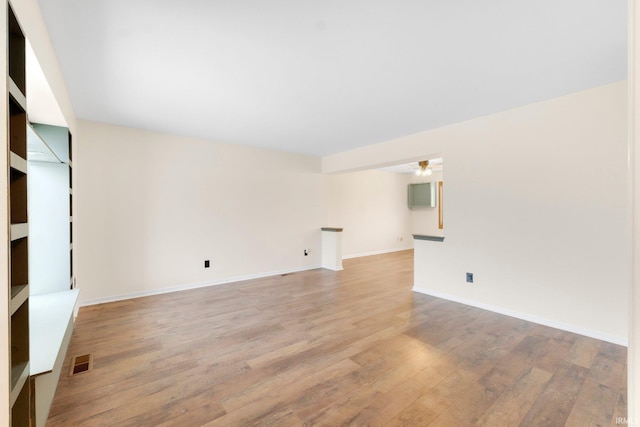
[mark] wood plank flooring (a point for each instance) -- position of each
(326, 348)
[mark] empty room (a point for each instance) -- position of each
(320, 213)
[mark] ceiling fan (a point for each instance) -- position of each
(424, 169)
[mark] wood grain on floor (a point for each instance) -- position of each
(355, 347)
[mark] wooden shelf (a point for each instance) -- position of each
(19, 375)
(17, 94)
(19, 295)
(17, 163)
(19, 231)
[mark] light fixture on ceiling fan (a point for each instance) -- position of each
(424, 169)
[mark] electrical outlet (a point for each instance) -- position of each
(306, 252)
(469, 277)
(207, 264)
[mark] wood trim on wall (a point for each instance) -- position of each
(440, 219)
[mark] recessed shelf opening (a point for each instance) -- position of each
(18, 190)
(20, 407)
(17, 129)
(17, 56)
(20, 262)
(19, 341)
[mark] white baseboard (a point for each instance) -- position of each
(528, 317)
(385, 251)
(193, 286)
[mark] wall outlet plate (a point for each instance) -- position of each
(207, 264)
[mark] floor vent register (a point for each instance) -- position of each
(80, 364)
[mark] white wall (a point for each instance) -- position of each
(152, 207)
(425, 220)
(536, 202)
(371, 206)
(48, 227)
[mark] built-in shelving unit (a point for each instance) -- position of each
(19, 393)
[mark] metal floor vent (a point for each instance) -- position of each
(80, 364)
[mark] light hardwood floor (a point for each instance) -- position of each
(355, 347)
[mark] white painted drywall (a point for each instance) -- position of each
(30, 17)
(48, 196)
(425, 220)
(536, 202)
(372, 208)
(152, 207)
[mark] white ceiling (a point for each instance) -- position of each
(324, 76)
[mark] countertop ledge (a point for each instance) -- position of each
(426, 237)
